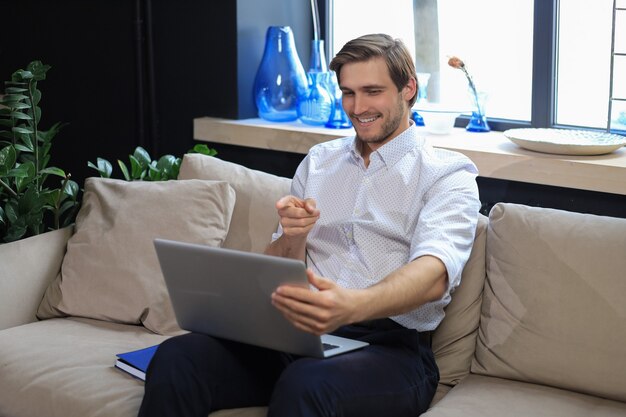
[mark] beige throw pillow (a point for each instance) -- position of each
(255, 217)
(110, 271)
(553, 307)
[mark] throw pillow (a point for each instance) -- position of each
(110, 271)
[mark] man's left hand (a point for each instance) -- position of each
(316, 312)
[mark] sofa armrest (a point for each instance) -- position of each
(28, 266)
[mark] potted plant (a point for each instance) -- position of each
(34, 197)
(144, 168)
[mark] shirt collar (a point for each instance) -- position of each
(392, 151)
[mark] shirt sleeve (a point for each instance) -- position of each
(448, 217)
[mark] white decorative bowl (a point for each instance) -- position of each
(438, 117)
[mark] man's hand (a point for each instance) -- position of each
(316, 312)
(297, 216)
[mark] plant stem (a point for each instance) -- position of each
(473, 88)
(36, 141)
(9, 189)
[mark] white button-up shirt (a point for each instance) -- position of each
(412, 200)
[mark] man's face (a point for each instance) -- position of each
(379, 112)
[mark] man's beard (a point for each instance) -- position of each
(388, 128)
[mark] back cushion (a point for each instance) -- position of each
(554, 307)
(254, 217)
(110, 271)
(454, 340)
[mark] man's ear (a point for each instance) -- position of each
(410, 89)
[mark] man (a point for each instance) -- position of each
(385, 223)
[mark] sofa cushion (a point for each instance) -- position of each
(28, 267)
(482, 396)
(454, 341)
(255, 217)
(64, 368)
(110, 271)
(553, 307)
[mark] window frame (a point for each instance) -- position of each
(545, 41)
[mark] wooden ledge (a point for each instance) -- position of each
(494, 155)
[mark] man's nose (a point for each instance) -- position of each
(360, 104)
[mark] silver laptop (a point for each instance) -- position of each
(227, 293)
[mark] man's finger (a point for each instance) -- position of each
(311, 207)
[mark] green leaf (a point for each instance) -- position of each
(142, 156)
(136, 170)
(15, 98)
(20, 115)
(203, 149)
(36, 97)
(8, 157)
(71, 189)
(15, 233)
(14, 90)
(67, 205)
(37, 111)
(51, 197)
(38, 69)
(21, 75)
(19, 172)
(124, 170)
(22, 181)
(20, 106)
(166, 162)
(53, 171)
(10, 210)
(103, 167)
(22, 148)
(22, 130)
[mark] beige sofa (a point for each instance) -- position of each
(537, 327)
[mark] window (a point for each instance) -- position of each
(542, 63)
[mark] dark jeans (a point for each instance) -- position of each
(396, 375)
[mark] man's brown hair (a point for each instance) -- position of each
(393, 51)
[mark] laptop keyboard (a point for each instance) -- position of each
(328, 346)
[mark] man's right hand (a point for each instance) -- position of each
(297, 216)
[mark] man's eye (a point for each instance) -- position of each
(374, 92)
(348, 93)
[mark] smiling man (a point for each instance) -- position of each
(385, 224)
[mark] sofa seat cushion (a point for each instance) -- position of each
(64, 368)
(553, 309)
(111, 271)
(483, 396)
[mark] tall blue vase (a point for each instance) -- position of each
(280, 78)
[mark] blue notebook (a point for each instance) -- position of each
(136, 362)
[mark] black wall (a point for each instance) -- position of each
(124, 73)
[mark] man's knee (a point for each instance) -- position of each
(304, 385)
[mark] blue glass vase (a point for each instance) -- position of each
(280, 78)
(316, 105)
(338, 117)
(478, 120)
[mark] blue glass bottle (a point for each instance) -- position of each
(280, 78)
(316, 104)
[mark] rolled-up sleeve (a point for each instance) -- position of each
(447, 222)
